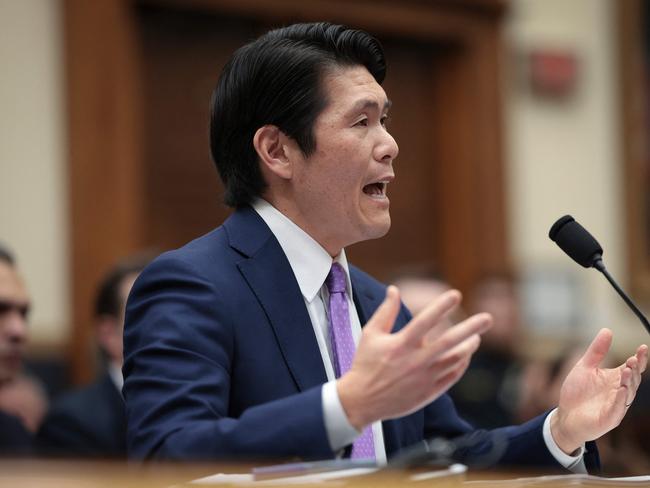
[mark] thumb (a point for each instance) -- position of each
(384, 317)
(598, 349)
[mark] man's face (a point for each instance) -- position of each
(111, 329)
(14, 305)
(340, 190)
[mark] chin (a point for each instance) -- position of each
(377, 229)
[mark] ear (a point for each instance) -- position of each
(109, 336)
(274, 150)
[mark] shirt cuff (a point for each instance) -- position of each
(575, 463)
(340, 432)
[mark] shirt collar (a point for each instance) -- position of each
(309, 261)
(115, 372)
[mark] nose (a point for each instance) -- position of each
(387, 150)
(14, 327)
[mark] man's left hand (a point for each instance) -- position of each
(594, 400)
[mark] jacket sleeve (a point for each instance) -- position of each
(518, 445)
(179, 351)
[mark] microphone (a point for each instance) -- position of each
(581, 246)
(479, 449)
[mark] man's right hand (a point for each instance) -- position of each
(393, 375)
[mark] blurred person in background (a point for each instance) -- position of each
(90, 422)
(626, 450)
(541, 380)
(14, 307)
(419, 285)
(26, 398)
(487, 395)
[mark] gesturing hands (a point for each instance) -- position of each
(395, 374)
(594, 400)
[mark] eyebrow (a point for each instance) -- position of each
(368, 103)
(9, 305)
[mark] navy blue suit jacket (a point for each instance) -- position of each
(221, 359)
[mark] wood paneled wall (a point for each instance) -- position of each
(634, 72)
(140, 74)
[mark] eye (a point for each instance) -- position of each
(385, 120)
(7, 307)
(23, 310)
(362, 123)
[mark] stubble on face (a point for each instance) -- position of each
(339, 191)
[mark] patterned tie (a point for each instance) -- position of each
(343, 348)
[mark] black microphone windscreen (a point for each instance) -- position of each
(574, 240)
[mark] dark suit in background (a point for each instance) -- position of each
(89, 422)
(14, 438)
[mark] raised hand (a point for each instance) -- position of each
(395, 374)
(593, 400)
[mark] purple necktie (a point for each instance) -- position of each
(343, 348)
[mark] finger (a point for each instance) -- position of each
(642, 356)
(598, 349)
(441, 384)
(441, 375)
(384, 317)
(457, 335)
(450, 378)
(626, 376)
(635, 380)
(430, 317)
(433, 333)
(625, 381)
(633, 364)
(461, 352)
(442, 368)
(620, 401)
(637, 364)
(626, 384)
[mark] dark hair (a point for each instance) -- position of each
(276, 80)
(108, 300)
(7, 256)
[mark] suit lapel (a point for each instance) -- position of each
(269, 275)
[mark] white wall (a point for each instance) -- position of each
(564, 156)
(32, 159)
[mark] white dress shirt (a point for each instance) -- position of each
(115, 372)
(311, 264)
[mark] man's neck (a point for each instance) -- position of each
(294, 214)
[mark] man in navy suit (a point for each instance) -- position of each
(236, 345)
(90, 421)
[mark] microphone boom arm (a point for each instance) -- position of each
(600, 266)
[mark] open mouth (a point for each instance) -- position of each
(376, 190)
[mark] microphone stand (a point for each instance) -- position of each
(600, 266)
